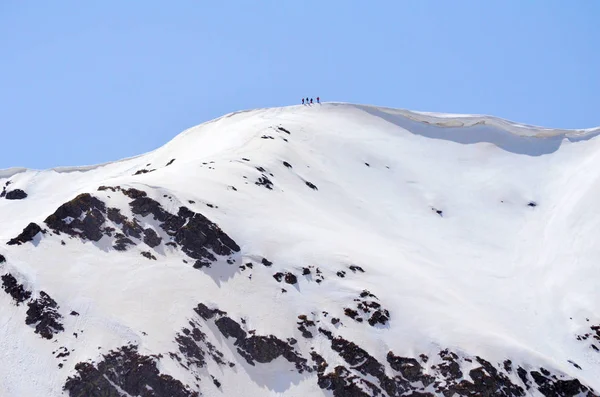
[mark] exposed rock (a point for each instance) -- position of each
(203, 311)
(124, 370)
(288, 165)
(2, 258)
(266, 262)
(26, 235)
(148, 255)
(83, 217)
(311, 185)
(355, 268)
(170, 162)
(43, 314)
(198, 237)
(122, 243)
(151, 239)
(264, 181)
(143, 171)
(16, 194)
(14, 289)
(304, 324)
(260, 349)
(284, 130)
(290, 278)
(532, 204)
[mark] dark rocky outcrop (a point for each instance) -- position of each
(151, 239)
(266, 262)
(264, 181)
(148, 255)
(26, 235)
(124, 370)
(2, 258)
(198, 237)
(259, 349)
(16, 194)
(122, 243)
(43, 314)
(14, 289)
(289, 278)
(143, 171)
(284, 130)
(82, 217)
(311, 185)
(85, 217)
(368, 309)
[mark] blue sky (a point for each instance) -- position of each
(89, 82)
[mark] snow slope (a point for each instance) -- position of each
(475, 234)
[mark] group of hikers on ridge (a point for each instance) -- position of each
(306, 101)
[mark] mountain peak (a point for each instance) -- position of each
(332, 249)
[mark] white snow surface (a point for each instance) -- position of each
(492, 276)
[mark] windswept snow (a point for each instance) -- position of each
(472, 234)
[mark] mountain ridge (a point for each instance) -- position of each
(385, 239)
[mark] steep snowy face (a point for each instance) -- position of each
(327, 250)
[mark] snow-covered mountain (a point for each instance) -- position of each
(325, 250)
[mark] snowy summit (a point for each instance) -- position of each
(319, 250)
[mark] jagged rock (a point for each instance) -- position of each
(43, 313)
(198, 237)
(148, 255)
(261, 349)
(170, 162)
(122, 243)
(124, 370)
(16, 194)
(26, 235)
(264, 181)
(2, 258)
(266, 262)
(343, 384)
(303, 324)
(284, 130)
(14, 289)
(151, 239)
(83, 217)
(288, 165)
(203, 311)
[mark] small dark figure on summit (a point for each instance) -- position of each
(318, 100)
(303, 101)
(311, 101)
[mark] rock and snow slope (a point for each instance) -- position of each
(332, 250)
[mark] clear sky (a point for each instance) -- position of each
(84, 82)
